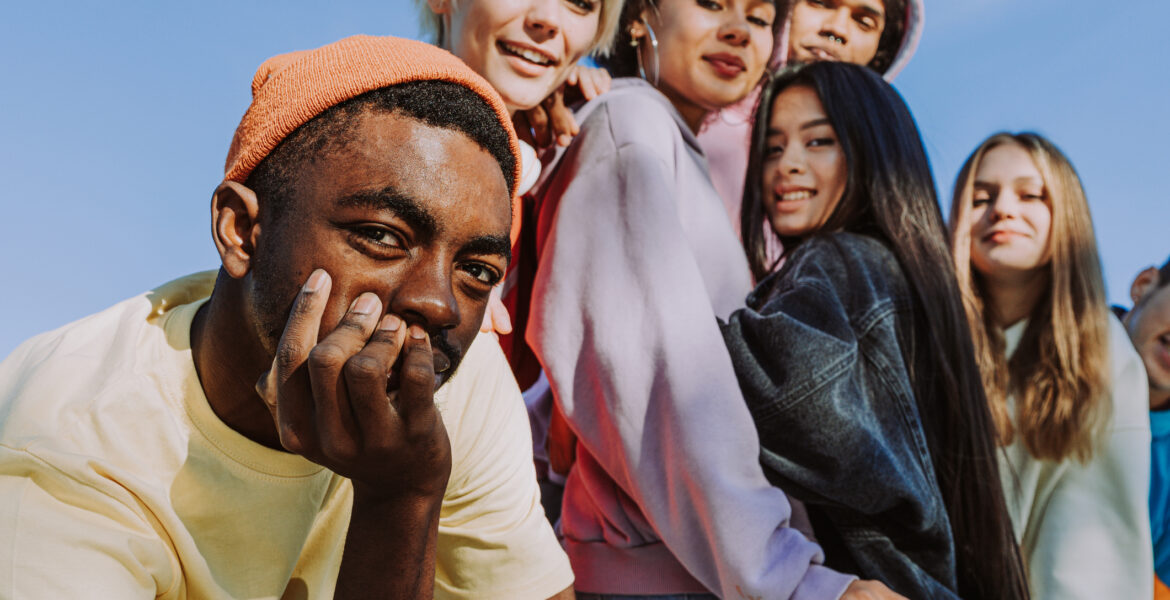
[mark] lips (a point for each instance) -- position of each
(791, 199)
(526, 53)
(1000, 236)
(821, 53)
(726, 65)
(797, 195)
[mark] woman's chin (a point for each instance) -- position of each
(723, 98)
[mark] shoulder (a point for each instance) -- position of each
(59, 372)
(481, 404)
(1129, 387)
(61, 387)
(842, 250)
(848, 264)
(632, 112)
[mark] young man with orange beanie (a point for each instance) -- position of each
(313, 420)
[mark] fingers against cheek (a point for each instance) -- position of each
(304, 321)
(327, 362)
(284, 388)
(367, 388)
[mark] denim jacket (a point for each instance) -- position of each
(822, 354)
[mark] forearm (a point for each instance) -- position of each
(390, 549)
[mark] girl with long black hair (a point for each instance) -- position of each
(854, 356)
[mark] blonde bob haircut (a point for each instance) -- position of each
(611, 11)
(1059, 374)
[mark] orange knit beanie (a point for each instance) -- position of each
(290, 89)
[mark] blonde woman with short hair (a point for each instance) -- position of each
(527, 50)
(1066, 389)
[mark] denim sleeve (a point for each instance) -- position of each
(823, 376)
(824, 429)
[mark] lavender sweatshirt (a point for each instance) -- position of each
(636, 259)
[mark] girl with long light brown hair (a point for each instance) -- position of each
(1065, 387)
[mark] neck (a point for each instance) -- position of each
(1159, 398)
(1014, 300)
(229, 361)
(692, 113)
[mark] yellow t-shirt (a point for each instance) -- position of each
(118, 481)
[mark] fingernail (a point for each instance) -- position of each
(417, 332)
(316, 280)
(390, 323)
(365, 304)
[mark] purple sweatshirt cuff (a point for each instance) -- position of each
(822, 583)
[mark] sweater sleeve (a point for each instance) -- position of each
(837, 420)
(626, 333)
(1092, 539)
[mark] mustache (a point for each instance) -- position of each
(441, 341)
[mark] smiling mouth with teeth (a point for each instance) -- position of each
(528, 55)
(800, 195)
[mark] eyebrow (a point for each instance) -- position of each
(500, 245)
(1017, 180)
(390, 199)
(872, 11)
(808, 125)
(422, 221)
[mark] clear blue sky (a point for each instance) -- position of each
(115, 118)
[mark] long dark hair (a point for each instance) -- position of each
(890, 195)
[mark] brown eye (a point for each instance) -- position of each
(380, 236)
(584, 6)
(481, 272)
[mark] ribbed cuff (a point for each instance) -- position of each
(822, 583)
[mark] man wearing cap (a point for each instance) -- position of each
(273, 429)
(1148, 325)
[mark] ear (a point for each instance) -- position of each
(1145, 284)
(235, 225)
(638, 27)
(440, 7)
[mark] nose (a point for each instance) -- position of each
(735, 31)
(791, 160)
(543, 19)
(837, 26)
(1005, 206)
(425, 296)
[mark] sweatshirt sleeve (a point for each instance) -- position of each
(626, 333)
(1092, 539)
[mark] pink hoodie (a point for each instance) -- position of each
(726, 137)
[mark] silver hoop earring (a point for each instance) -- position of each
(654, 49)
